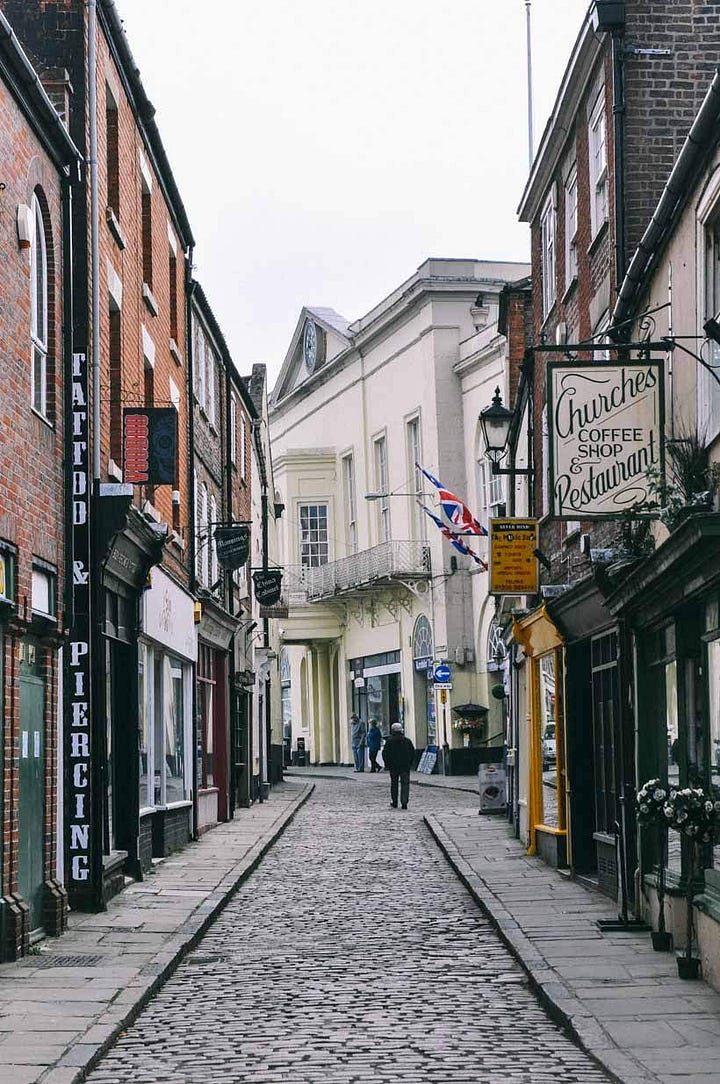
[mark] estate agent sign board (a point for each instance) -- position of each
(513, 564)
(606, 428)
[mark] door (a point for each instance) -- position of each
(31, 810)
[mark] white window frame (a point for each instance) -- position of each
(210, 361)
(214, 574)
(204, 536)
(382, 485)
(597, 164)
(350, 496)
(548, 253)
(708, 278)
(233, 429)
(571, 226)
(201, 369)
(243, 446)
(317, 558)
(38, 313)
(413, 441)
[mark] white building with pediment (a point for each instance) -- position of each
(374, 594)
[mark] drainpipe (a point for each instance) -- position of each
(230, 597)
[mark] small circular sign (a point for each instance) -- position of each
(442, 673)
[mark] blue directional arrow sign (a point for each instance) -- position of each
(442, 673)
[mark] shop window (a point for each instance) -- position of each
(286, 696)
(164, 687)
(713, 669)
(145, 714)
(549, 735)
(44, 591)
(206, 698)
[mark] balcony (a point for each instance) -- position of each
(381, 566)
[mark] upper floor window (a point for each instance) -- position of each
(44, 589)
(414, 454)
(39, 312)
(382, 487)
(147, 232)
(204, 538)
(233, 429)
(348, 472)
(314, 546)
(571, 226)
(172, 274)
(708, 394)
(213, 547)
(243, 446)
(112, 152)
(547, 253)
(597, 150)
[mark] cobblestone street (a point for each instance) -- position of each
(352, 954)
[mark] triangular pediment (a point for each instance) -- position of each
(312, 348)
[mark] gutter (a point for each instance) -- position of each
(53, 134)
(672, 198)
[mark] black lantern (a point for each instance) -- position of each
(496, 421)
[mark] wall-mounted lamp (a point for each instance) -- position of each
(496, 422)
(712, 329)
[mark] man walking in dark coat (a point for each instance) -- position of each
(398, 754)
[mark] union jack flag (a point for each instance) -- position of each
(454, 540)
(456, 510)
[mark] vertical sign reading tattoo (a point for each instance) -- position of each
(78, 736)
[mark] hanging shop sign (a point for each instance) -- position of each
(150, 446)
(513, 561)
(605, 426)
(232, 545)
(267, 583)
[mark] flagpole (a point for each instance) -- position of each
(528, 40)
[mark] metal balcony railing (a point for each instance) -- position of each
(381, 565)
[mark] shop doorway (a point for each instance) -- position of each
(31, 805)
(377, 689)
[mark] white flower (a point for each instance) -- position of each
(658, 795)
(709, 807)
(644, 808)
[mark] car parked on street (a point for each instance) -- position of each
(548, 746)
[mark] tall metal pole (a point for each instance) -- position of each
(528, 38)
(94, 233)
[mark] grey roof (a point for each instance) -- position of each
(332, 319)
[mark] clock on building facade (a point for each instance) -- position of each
(310, 345)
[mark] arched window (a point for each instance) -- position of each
(496, 649)
(422, 644)
(39, 312)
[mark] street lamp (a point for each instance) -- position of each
(382, 496)
(496, 421)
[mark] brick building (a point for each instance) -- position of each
(222, 421)
(634, 82)
(40, 161)
(132, 650)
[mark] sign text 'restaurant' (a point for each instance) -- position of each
(605, 426)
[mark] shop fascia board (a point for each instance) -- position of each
(646, 590)
(582, 610)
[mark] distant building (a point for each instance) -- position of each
(374, 594)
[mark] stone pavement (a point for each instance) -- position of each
(621, 1000)
(353, 954)
(451, 782)
(61, 1008)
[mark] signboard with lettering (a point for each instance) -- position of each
(513, 564)
(606, 424)
(232, 545)
(267, 583)
(150, 446)
(80, 834)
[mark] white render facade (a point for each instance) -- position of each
(374, 594)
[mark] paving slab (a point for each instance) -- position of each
(622, 1002)
(55, 1023)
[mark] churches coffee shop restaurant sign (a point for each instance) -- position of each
(606, 429)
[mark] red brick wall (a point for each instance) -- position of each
(32, 484)
(128, 265)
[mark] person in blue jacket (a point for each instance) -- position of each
(374, 744)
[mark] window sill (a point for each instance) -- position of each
(149, 299)
(42, 418)
(570, 289)
(115, 228)
(114, 471)
(599, 235)
(177, 540)
(175, 353)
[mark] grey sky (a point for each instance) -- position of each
(323, 150)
